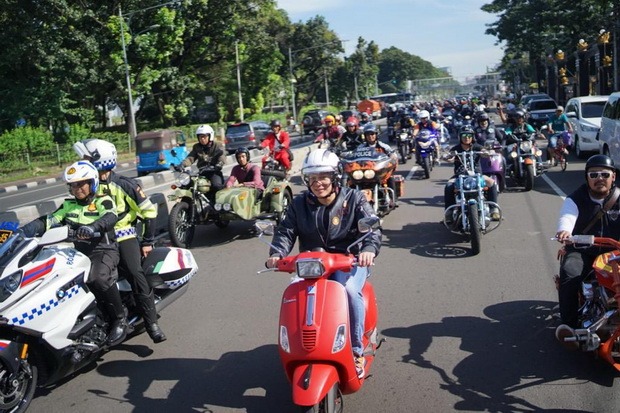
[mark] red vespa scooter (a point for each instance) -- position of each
(314, 331)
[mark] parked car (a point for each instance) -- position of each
(539, 111)
(159, 150)
(525, 99)
(312, 120)
(584, 113)
(246, 134)
(261, 129)
(609, 134)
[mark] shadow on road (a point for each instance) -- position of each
(237, 381)
(432, 240)
(514, 349)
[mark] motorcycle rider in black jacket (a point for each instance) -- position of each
(325, 216)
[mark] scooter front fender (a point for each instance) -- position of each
(311, 382)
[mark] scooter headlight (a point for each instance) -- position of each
(310, 268)
(10, 284)
(217, 207)
(357, 175)
(284, 343)
(369, 174)
(340, 339)
(183, 179)
(227, 207)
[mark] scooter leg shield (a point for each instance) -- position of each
(311, 382)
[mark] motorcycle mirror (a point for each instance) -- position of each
(54, 235)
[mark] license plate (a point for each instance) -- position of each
(5, 234)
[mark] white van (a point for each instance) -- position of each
(609, 134)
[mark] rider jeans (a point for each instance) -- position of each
(575, 266)
(354, 283)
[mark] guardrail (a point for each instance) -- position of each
(26, 214)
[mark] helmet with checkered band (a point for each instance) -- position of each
(101, 153)
(82, 171)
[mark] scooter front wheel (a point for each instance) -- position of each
(331, 403)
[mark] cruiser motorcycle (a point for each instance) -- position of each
(426, 151)
(51, 325)
(471, 212)
(372, 172)
(599, 320)
(525, 161)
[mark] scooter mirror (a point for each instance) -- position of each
(264, 227)
(368, 224)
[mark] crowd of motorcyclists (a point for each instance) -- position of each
(106, 206)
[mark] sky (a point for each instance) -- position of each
(444, 32)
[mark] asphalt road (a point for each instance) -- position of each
(465, 333)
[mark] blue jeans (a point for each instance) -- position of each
(553, 140)
(354, 283)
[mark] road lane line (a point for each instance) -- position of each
(412, 172)
(554, 186)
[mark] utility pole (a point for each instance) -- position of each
(131, 116)
(290, 67)
(239, 80)
(326, 88)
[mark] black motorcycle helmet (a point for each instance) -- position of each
(241, 150)
(483, 116)
(466, 130)
(602, 161)
(519, 113)
(273, 123)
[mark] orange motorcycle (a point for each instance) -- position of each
(599, 320)
(372, 172)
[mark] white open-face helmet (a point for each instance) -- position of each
(423, 114)
(206, 130)
(82, 171)
(321, 161)
(101, 153)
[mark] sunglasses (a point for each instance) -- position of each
(467, 136)
(596, 175)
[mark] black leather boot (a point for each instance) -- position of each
(116, 312)
(146, 303)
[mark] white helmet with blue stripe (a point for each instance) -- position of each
(101, 153)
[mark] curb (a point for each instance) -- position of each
(26, 214)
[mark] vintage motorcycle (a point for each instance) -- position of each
(51, 325)
(405, 146)
(193, 206)
(314, 332)
(426, 150)
(371, 172)
(471, 212)
(599, 320)
(525, 161)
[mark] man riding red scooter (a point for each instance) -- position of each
(324, 353)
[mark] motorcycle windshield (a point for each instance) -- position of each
(13, 245)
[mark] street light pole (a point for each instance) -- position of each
(239, 80)
(290, 66)
(132, 119)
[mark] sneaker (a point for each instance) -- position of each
(360, 362)
(562, 332)
(495, 215)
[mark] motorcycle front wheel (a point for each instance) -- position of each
(403, 153)
(180, 226)
(17, 392)
(474, 228)
(426, 165)
(529, 177)
(331, 403)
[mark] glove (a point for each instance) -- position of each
(85, 232)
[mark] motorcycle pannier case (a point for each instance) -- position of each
(169, 268)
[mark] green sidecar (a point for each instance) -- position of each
(243, 203)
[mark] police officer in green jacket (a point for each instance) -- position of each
(90, 215)
(131, 204)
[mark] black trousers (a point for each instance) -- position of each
(103, 272)
(574, 268)
(131, 265)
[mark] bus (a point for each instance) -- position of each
(389, 98)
